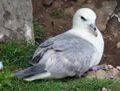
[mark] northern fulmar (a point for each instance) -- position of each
(69, 54)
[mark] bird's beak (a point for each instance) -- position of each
(94, 29)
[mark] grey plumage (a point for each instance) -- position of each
(67, 47)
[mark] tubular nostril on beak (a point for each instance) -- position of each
(94, 28)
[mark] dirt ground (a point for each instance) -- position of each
(56, 17)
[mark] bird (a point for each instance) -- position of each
(68, 54)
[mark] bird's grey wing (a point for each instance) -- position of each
(77, 51)
(41, 50)
(74, 58)
(55, 43)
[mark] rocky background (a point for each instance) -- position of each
(56, 17)
(16, 20)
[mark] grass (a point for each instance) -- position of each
(16, 55)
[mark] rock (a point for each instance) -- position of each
(103, 9)
(118, 68)
(118, 45)
(16, 19)
(109, 66)
(100, 74)
(47, 2)
(91, 75)
(108, 72)
(112, 73)
(104, 89)
(113, 28)
(112, 38)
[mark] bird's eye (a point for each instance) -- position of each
(83, 18)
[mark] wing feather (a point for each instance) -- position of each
(77, 52)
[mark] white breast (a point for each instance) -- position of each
(97, 42)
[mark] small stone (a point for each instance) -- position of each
(115, 34)
(100, 74)
(118, 45)
(91, 75)
(110, 66)
(104, 89)
(112, 73)
(107, 67)
(118, 68)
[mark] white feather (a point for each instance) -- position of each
(39, 76)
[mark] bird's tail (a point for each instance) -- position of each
(33, 73)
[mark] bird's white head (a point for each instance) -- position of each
(84, 19)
